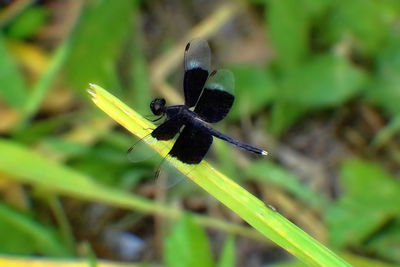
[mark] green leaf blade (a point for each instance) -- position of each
(187, 245)
(268, 222)
(289, 35)
(99, 50)
(227, 257)
(18, 227)
(13, 90)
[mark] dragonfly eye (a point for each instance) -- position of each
(157, 106)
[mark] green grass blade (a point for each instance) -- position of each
(41, 88)
(58, 179)
(114, 20)
(42, 239)
(227, 256)
(187, 244)
(268, 222)
(13, 91)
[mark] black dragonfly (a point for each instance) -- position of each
(211, 96)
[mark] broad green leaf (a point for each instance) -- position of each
(268, 222)
(324, 81)
(187, 245)
(254, 89)
(370, 183)
(227, 257)
(370, 199)
(366, 22)
(97, 42)
(12, 85)
(288, 25)
(25, 235)
(386, 243)
(350, 222)
(384, 89)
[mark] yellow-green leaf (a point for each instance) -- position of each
(268, 222)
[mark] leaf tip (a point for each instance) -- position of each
(92, 91)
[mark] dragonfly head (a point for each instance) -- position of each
(157, 106)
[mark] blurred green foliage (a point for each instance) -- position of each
(26, 236)
(254, 88)
(97, 43)
(29, 22)
(326, 54)
(13, 91)
(313, 43)
(383, 89)
(273, 174)
(369, 201)
(188, 245)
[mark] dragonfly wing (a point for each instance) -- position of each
(217, 97)
(168, 129)
(192, 145)
(197, 63)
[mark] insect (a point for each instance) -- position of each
(211, 96)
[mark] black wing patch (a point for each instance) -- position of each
(168, 129)
(217, 97)
(192, 145)
(197, 63)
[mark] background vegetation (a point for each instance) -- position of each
(317, 85)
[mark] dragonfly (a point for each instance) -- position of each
(208, 99)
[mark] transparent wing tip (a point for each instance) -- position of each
(141, 151)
